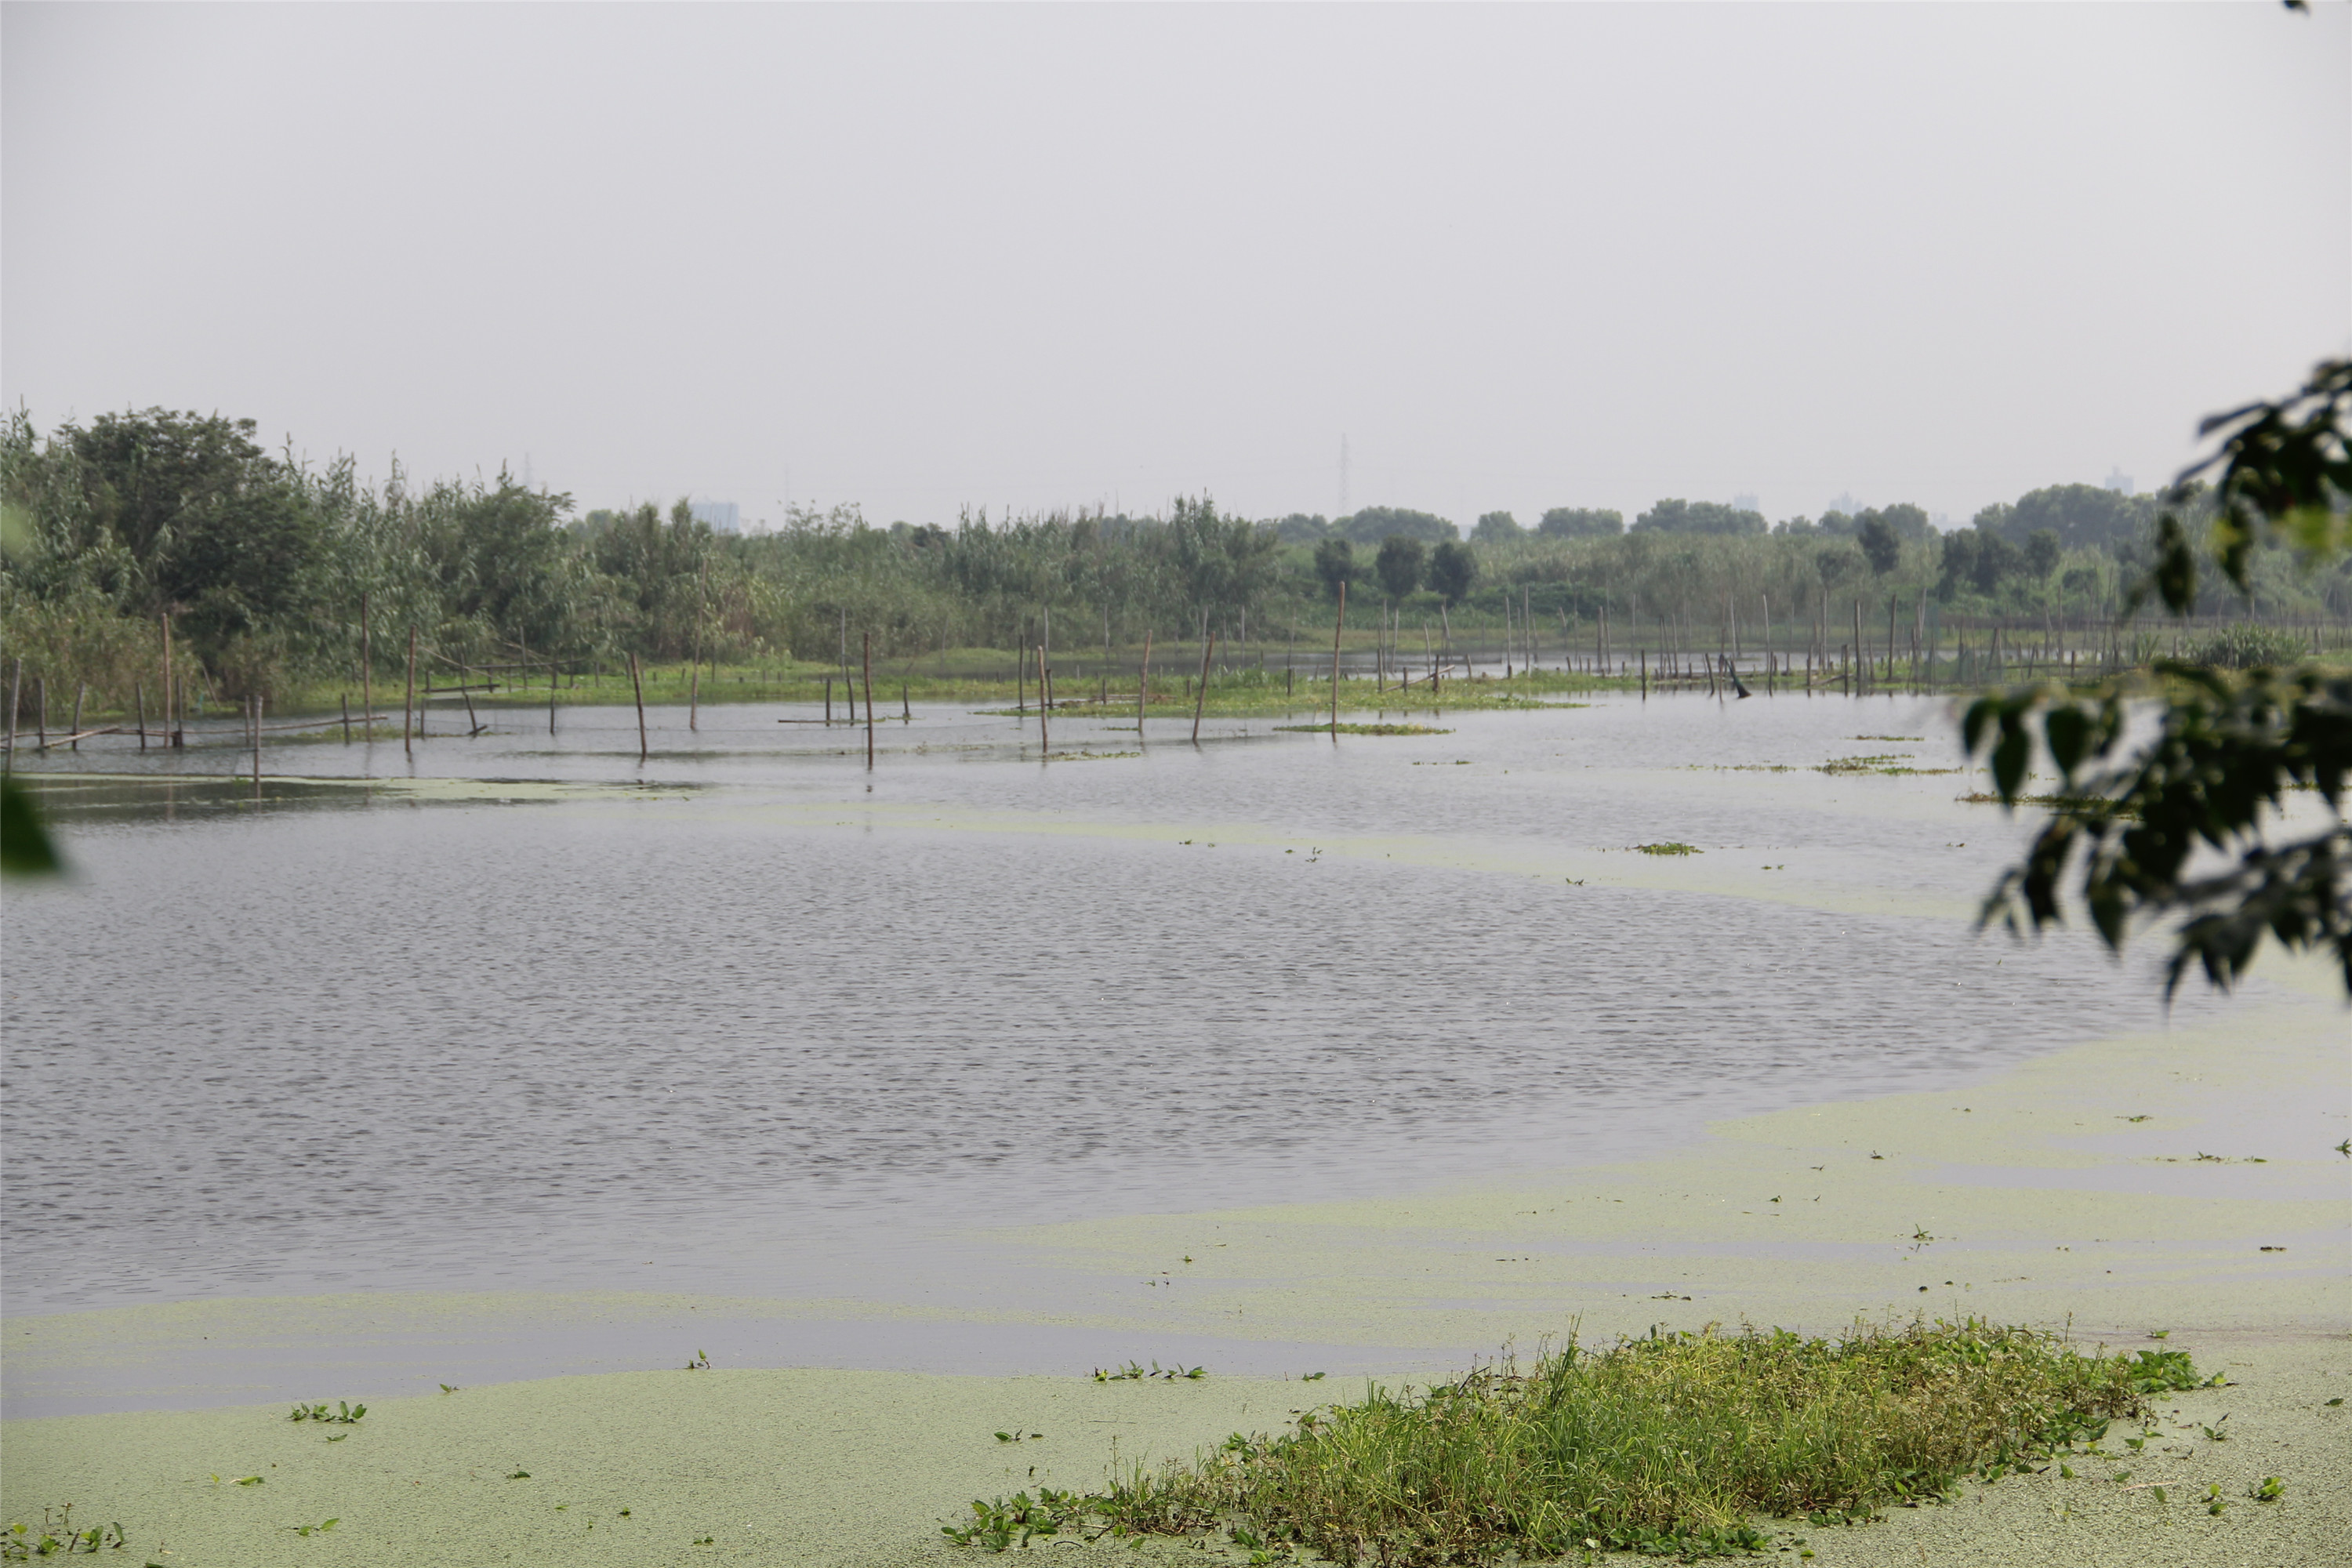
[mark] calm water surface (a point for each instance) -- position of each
(779, 1028)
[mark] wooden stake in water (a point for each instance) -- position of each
(551, 698)
(81, 690)
(1201, 698)
(1646, 675)
(257, 745)
(367, 672)
(828, 701)
(1142, 686)
(347, 718)
(138, 695)
(1044, 736)
(171, 730)
(1852, 686)
(1338, 626)
(408, 703)
(637, 685)
(868, 643)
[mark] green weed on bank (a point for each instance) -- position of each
(1672, 1444)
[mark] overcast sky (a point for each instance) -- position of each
(919, 257)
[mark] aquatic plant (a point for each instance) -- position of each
(343, 1415)
(1669, 849)
(1133, 1373)
(58, 1538)
(1673, 1443)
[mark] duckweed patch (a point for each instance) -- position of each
(1672, 1444)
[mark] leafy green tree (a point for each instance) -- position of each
(1881, 545)
(1400, 564)
(217, 531)
(2226, 749)
(1335, 563)
(1375, 523)
(2041, 554)
(2083, 516)
(1302, 528)
(1580, 522)
(1452, 567)
(1700, 517)
(1496, 528)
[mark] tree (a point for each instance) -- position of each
(2228, 747)
(1699, 517)
(1400, 564)
(1452, 567)
(1496, 528)
(1580, 522)
(2041, 554)
(1881, 545)
(1375, 523)
(1335, 563)
(220, 531)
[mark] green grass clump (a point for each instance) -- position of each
(1671, 1444)
(1673, 848)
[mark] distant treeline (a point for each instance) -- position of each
(273, 572)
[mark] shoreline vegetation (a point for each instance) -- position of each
(1671, 1444)
(994, 683)
(159, 563)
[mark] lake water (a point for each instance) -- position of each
(757, 995)
(777, 1026)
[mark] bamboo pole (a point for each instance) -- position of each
(257, 745)
(1856, 685)
(1143, 686)
(637, 685)
(347, 717)
(1201, 698)
(408, 702)
(139, 696)
(367, 669)
(473, 724)
(1338, 627)
(81, 690)
(693, 688)
(551, 696)
(1646, 675)
(867, 640)
(1044, 732)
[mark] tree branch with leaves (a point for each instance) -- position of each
(2229, 748)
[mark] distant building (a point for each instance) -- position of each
(723, 516)
(2121, 483)
(1745, 503)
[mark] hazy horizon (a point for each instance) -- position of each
(920, 258)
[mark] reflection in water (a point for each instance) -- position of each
(779, 1044)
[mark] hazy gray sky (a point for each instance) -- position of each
(918, 256)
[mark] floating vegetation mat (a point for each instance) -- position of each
(1364, 728)
(1672, 1444)
(1673, 849)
